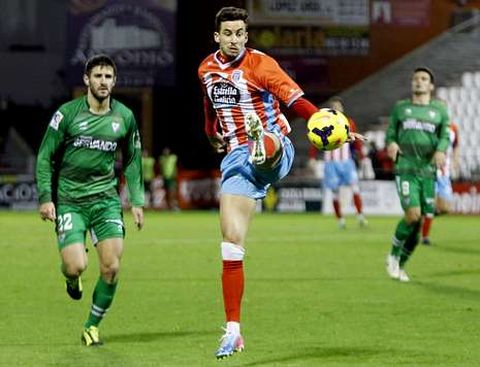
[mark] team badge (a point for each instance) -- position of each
(115, 126)
(56, 119)
(237, 75)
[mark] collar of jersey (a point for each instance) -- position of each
(222, 65)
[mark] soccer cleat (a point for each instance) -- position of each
(362, 221)
(426, 241)
(342, 224)
(402, 276)
(254, 129)
(90, 336)
(393, 267)
(74, 287)
(229, 343)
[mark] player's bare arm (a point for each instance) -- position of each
(138, 218)
(47, 211)
(217, 142)
(393, 150)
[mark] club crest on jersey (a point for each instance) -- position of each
(56, 119)
(223, 93)
(115, 126)
(237, 75)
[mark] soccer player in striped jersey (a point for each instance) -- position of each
(243, 90)
(416, 139)
(443, 184)
(340, 169)
(77, 187)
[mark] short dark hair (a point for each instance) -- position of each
(334, 99)
(229, 13)
(426, 70)
(99, 60)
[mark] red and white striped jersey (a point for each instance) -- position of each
(453, 137)
(253, 81)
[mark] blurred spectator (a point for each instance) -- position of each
(168, 170)
(148, 163)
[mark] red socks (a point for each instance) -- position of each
(233, 285)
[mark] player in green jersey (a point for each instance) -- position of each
(77, 186)
(417, 138)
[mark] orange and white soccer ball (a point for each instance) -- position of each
(328, 129)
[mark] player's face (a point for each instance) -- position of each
(100, 82)
(232, 37)
(421, 83)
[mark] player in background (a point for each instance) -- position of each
(443, 183)
(243, 90)
(416, 139)
(77, 186)
(340, 169)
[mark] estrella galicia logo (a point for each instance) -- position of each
(324, 133)
(225, 94)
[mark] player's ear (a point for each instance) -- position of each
(114, 81)
(216, 37)
(86, 80)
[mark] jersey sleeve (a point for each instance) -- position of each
(444, 134)
(51, 143)
(392, 129)
(132, 160)
(275, 80)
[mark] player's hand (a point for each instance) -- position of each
(393, 150)
(137, 212)
(47, 211)
(439, 159)
(217, 143)
(356, 136)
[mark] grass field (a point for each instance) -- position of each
(315, 296)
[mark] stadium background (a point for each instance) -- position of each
(362, 50)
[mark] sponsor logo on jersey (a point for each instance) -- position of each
(115, 126)
(225, 94)
(96, 144)
(56, 119)
(412, 124)
(83, 125)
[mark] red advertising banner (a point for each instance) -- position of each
(198, 189)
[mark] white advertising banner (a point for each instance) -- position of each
(379, 198)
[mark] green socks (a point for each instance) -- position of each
(405, 240)
(101, 301)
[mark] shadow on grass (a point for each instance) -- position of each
(355, 354)
(153, 336)
(450, 290)
(457, 250)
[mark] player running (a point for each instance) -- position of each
(77, 186)
(417, 138)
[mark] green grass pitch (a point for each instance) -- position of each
(315, 295)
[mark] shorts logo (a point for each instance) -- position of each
(56, 119)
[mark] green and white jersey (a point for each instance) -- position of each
(76, 159)
(419, 130)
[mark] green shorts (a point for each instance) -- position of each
(415, 191)
(103, 218)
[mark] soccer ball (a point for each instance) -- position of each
(328, 129)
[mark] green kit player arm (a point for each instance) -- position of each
(132, 160)
(49, 148)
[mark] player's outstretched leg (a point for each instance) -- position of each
(265, 147)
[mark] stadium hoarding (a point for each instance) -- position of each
(466, 198)
(18, 192)
(138, 34)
